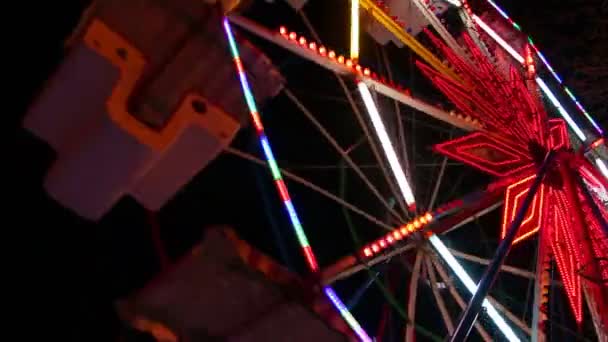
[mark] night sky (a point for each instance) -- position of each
(73, 270)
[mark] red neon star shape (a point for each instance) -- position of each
(516, 136)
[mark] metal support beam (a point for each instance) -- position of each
(349, 265)
(472, 311)
(457, 297)
(411, 302)
(447, 320)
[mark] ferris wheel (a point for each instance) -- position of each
(438, 176)
(498, 125)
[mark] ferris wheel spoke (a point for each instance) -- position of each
(411, 302)
(349, 265)
(447, 320)
(342, 153)
(362, 124)
(511, 316)
(444, 163)
(457, 297)
(400, 128)
(482, 261)
(316, 188)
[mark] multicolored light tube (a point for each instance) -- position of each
(472, 287)
(560, 109)
(387, 146)
(282, 188)
(550, 68)
(354, 29)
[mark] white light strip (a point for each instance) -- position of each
(539, 81)
(498, 39)
(456, 3)
(472, 287)
(561, 109)
(387, 146)
(602, 167)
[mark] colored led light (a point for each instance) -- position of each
(367, 252)
(597, 143)
(550, 68)
(498, 39)
(539, 81)
(346, 314)
(276, 174)
(472, 287)
(560, 109)
(386, 144)
(354, 29)
(410, 228)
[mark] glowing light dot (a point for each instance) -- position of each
(382, 243)
(322, 51)
(349, 63)
(375, 248)
(404, 231)
(428, 217)
(302, 41)
(312, 46)
(367, 252)
(410, 227)
(283, 30)
(332, 54)
(358, 68)
(397, 235)
(293, 36)
(341, 59)
(390, 239)
(366, 72)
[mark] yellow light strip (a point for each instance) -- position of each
(407, 39)
(354, 29)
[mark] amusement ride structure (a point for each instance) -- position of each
(499, 110)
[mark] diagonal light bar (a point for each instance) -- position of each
(387, 146)
(282, 188)
(602, 167)
(560, 109)
(456, 3)
(498, 39)
(354, 29)
(472, 287)
(577, 130)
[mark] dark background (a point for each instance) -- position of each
(70, 271)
